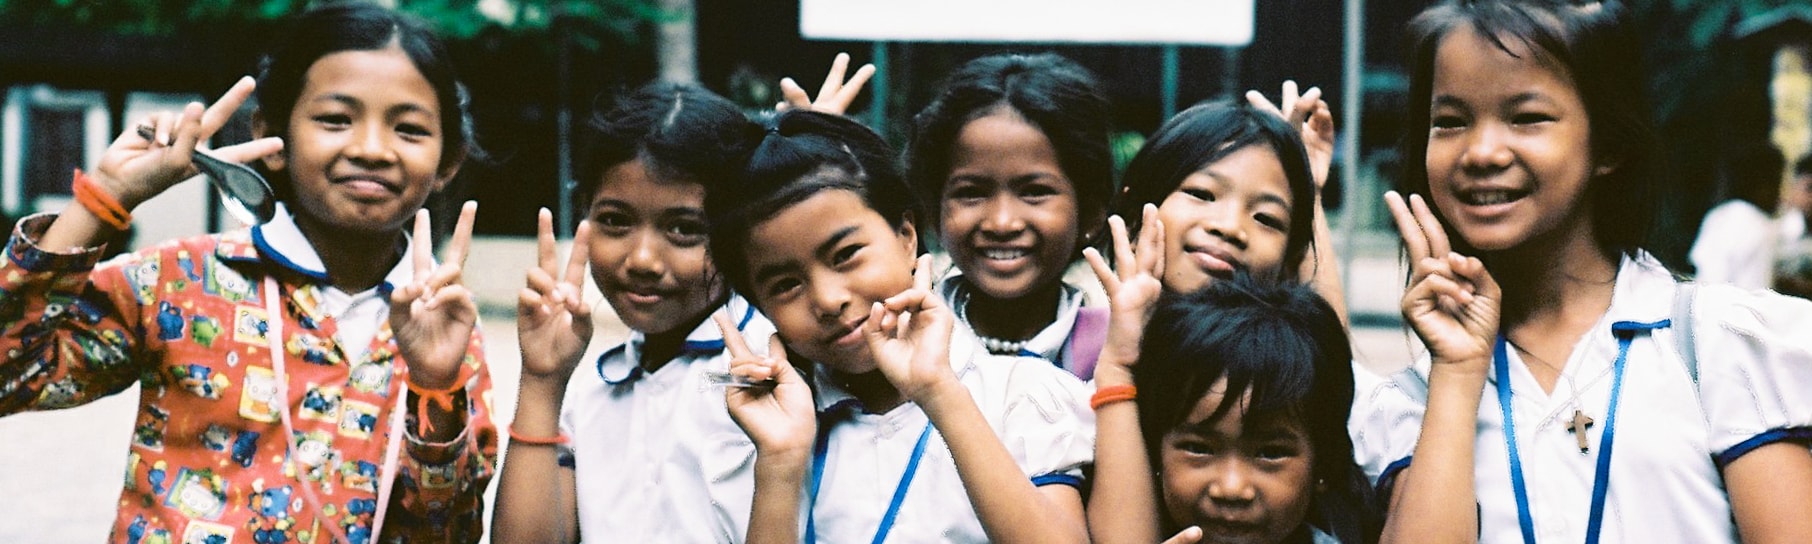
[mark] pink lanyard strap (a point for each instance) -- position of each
(393, 444)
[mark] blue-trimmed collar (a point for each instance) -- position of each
(622, 364)
(1048, 344)
(281, 242)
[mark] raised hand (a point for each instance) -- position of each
(133, 169)
(909, 335)
(1132, 284)
(1452, 301)
(834, 96)
(433, 315)
(553, 322)
(1312, 117)
(778, 417)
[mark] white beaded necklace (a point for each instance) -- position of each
(994, 345)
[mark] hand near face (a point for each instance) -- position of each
(133, 169)
(1312, 118)
(1452, 301)
(553, 322)
(1132, 284)
(778, 417)
(434, 314)
(834, 96)
(909, 335)
(1190, 535)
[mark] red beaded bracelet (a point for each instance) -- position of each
(538, 440)
(99, 203)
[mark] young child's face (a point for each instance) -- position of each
(648, 249)
(1233, 214)
(1009, 213)
(1509, 144)
(1240, 481)
(364, 143)
(821, 265)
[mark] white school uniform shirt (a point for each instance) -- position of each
(655, 455)
(1736, 245)
(357, 316)
(1049, 343)
(1039, 411)
(1754, 388)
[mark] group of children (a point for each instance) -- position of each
(799, 371)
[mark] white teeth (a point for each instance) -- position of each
(1489, 198)
(1003, 254)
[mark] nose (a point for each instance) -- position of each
(830, 298)
(1232, 484)
(1486, 148)
(644, 258)
(1225, 219)
(1001, 218)
(370, 144)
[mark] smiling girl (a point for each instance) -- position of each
(645, 403)
(966, 446)
(307, 377)
(1553, 333)
(1014, 154)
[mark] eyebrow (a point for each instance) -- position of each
(406, 107)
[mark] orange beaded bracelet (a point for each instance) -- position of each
(442, 398)
(1111, 394)
(99, 203)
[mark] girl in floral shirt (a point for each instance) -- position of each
(316, 378)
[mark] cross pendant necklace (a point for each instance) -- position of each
(1578, 427)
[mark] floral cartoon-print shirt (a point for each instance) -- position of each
(207, 461)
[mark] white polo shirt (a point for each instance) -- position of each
(1754, 387)
(1039, 411)
(1050, 343)
(656, 456)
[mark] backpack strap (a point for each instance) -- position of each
(1684, 302)
(1086, 340)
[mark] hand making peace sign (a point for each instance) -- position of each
(1133, 284)
(1452, 301)
(1312, 118)
(552, 316)
(834, 96)
(433, 315)
(777, 417)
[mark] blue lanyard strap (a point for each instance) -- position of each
(820, 450)
(1625, 331)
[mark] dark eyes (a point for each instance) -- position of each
(334, 120)
(611, 220)
(845, 254)
(1446, 122)
(1272, 222)
(1199, 194)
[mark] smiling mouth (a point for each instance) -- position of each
(1004, 254)
(847, 334)
(1492, 197)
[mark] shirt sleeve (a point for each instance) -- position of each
(440, 487)
(70, 332)
(1755, 368)
(1045, 422)
(1386, 421)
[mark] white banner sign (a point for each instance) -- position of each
(1189, 22)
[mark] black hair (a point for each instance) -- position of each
(1206, 133)
(1755, 175)
(1593, 44)
(1283, 345)
(1060, 98)
(804, 152)
(679, 131)
(1804, 166)
(359, 26)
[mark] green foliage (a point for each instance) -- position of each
(593, 22)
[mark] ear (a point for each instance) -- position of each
(909, 235)
(1091, 225)
(275, 161)
(449, 167)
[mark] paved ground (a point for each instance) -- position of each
(60, 472)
